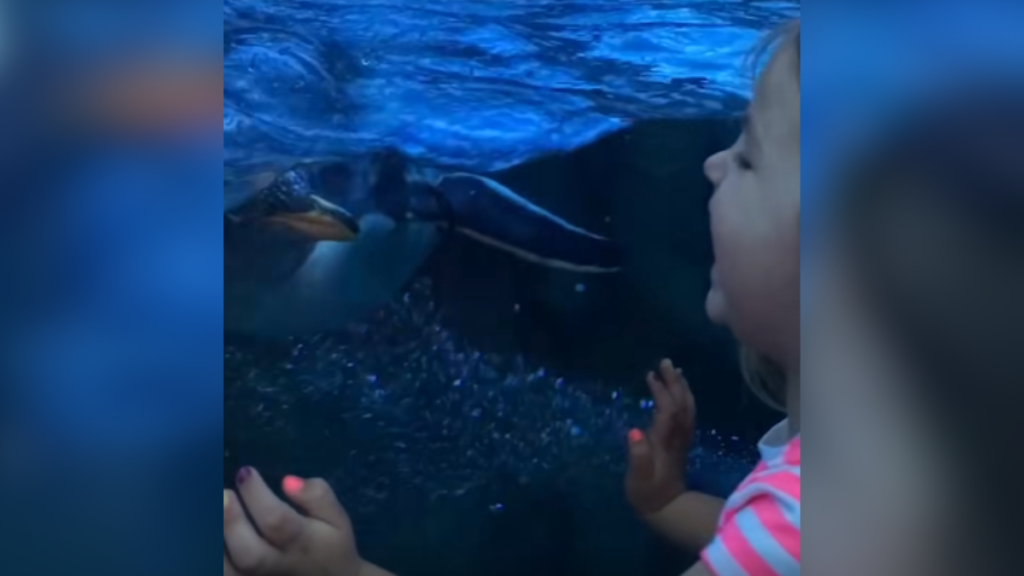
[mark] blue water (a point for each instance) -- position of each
(481, 85)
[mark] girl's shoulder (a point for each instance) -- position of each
(777, 474)
(779, 447)
(759, 529)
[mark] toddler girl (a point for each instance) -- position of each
(755, 291)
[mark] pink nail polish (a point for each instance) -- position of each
(635, 436)
(293, 484)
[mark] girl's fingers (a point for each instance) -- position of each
(674, 381)
(246, 550)
(667, 370)
(641, 467)
(316, 498)
(229, 570)
(278, 522)
(664, 408)
(684, 409)
(689, 404)
(663, 401)
(681, 391)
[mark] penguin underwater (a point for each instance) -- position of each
(327, 243)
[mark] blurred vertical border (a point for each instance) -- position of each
(100, 475)
(912, 241)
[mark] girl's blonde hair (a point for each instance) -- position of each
(765, 378)
(784, 37)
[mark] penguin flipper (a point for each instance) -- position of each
(488, 212)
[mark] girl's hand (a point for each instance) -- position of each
(284, 542)
(657, 460)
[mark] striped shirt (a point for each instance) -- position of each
(759, 530)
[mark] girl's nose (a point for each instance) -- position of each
(714, 167)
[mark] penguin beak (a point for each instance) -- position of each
(321, 221)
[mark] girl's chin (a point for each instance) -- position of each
(715, 305)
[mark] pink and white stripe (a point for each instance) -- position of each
(759, 531)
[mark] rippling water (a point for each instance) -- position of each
(480, 85)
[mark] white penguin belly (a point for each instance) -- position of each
(343, 282)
